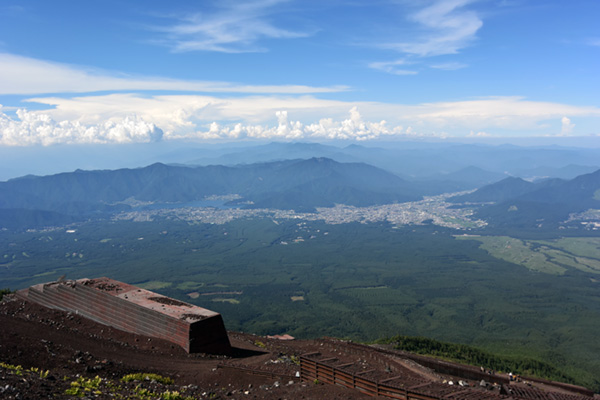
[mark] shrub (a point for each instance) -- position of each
(147, 377)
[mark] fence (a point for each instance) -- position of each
(324, 372)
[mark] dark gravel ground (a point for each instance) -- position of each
(50, 354)
(43, 352)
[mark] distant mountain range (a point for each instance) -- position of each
(300, 185)
(412, 160)
(520, 203)
(422, 160)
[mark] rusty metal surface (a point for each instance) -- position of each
(150, 300)
(135, 310)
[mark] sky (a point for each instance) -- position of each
(152, 71)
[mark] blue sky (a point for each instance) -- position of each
(75, 72)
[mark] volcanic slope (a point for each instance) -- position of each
(53, 354)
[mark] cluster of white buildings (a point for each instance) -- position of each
(434, 209)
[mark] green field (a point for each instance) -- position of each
(551, 257)
(515, 297)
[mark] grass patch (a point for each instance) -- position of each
(189, 285)
(580, 246)
(518, 252)
(85, 387)
(551, 257)
(147, 377)
(230, 301)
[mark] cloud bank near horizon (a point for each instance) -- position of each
(130, 118)
(40, 129)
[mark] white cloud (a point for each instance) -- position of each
(446, 27)
(24, 75)
(449, 28)
(513, 113)
(567, 126)
(391, 67)
(450, 66)
(351, 128)
(182, 113)
(478, 134)
(93, 119)
(234, 27)
(594, 42)
(33, 128)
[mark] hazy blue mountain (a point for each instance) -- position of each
(407, 159)
(426, 160)
(470, 177)
(521, 203)
(567, 172)
(582, 191)
(322, 182)
(275, 151)
(289, 184)
(476, 175)
(302, 184)
(506, 189)
(420, 160)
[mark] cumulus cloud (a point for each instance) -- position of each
(478, 134)
(233, 27)
(351, 128)
(34, 128)
(181, 114)
(24, 75)
(30, 128)
(567, 126)
(449, 26)
(140, 118)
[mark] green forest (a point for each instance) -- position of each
(470, 355)
(357, 281)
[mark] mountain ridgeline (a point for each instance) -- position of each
(421, 160)
(300, 185)
(517, 202)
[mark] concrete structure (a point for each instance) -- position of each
(135, 310)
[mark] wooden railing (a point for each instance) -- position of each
(313, 370)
